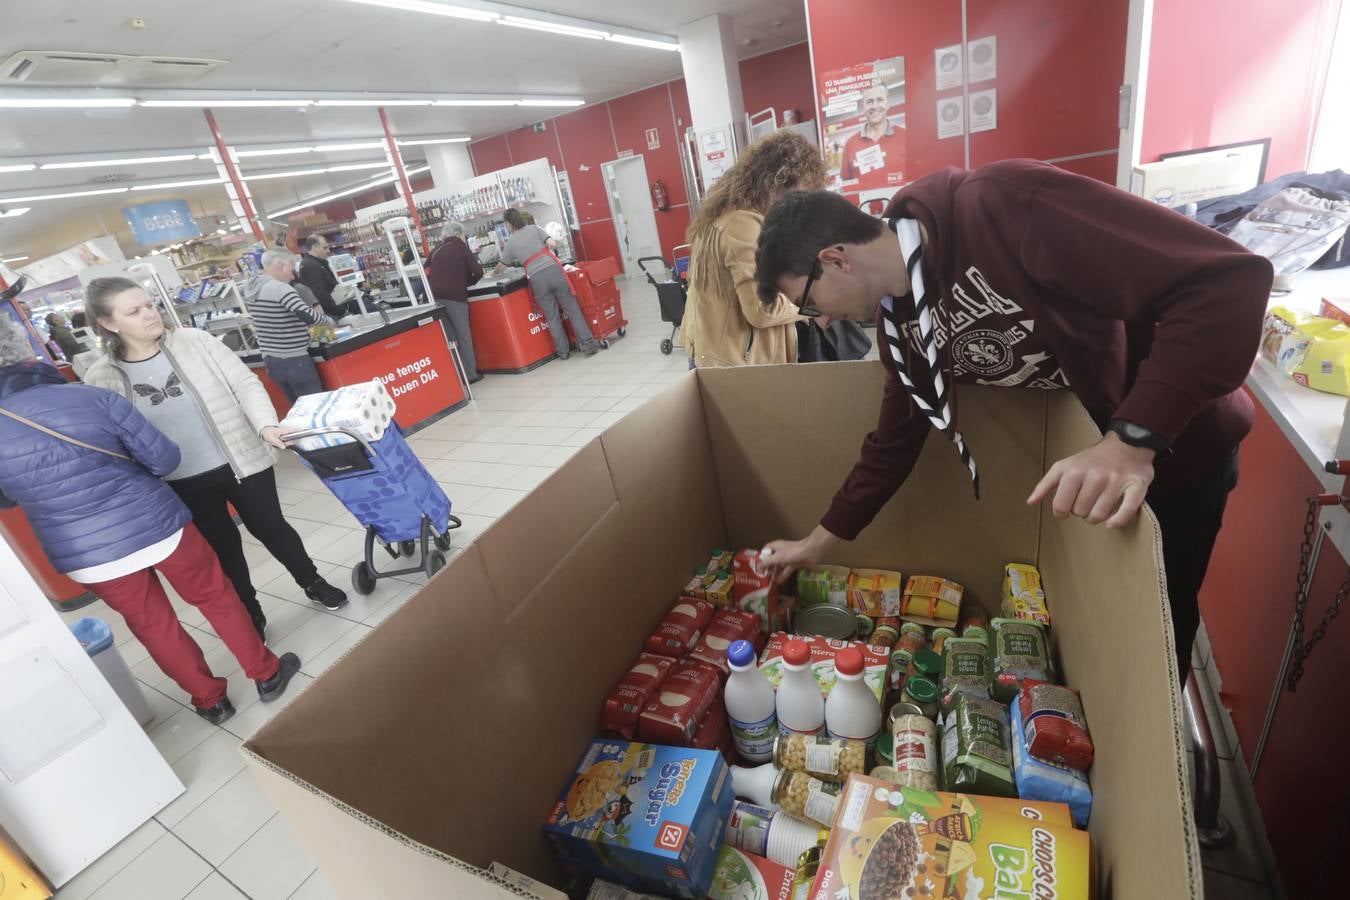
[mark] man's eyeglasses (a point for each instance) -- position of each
(803, 304)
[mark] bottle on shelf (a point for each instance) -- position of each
(852, 711)
(750, 705)
(800, 704)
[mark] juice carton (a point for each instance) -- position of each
(753, 590)
(739, 875)
(649, 817)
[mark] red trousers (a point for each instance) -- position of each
(195, 573)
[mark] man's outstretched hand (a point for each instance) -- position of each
(783, 558)
(1106, 483)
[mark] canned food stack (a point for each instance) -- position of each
(850, 703)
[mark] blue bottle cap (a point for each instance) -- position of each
(741, 654)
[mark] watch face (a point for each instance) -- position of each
(1135, 432)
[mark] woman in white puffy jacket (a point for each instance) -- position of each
(194, 389)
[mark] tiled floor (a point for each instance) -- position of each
(223, 839)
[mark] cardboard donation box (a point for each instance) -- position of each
(475, 702)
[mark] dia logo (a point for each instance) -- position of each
(671, 836)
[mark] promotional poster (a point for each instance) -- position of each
(863, 114)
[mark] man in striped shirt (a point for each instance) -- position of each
(282, 321)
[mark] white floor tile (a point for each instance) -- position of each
(203, 770)
(271, 865)
(499, 501)
(163, 705)
(430, 448)
(179, 734)
(313, 637)
(556, 456)
(317, 665)
(168, 870)
(463, 497)
(216, 887)
(582, 436)
(102, 870)
(228, 818)
(316, 887)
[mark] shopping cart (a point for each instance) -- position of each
(385, 486)
(671, 292)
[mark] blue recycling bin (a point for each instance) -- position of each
(96, 636)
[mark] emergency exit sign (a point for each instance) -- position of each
(539, 127)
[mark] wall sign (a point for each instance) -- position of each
(653, 139)
(161, 222)
(862, 108)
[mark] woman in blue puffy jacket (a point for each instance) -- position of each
(86, 468)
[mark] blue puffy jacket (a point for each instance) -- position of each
(87, 508)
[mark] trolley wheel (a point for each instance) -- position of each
(442, 541)
(408, 548)
(434, 563)
(667, 345)
(363, 580)
(604, 344)
(622, 331)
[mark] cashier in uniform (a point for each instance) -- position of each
(875, 156)
(1020, 274)
(451, 270)
(531, 247)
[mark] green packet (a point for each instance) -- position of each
(1021, 653)
(977, 749)
(823, 584)
(966, 671)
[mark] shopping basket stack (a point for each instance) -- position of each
(349, 439)
(671, 291)
(597, 294)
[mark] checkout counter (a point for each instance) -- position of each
(407, 349)
(1289, 743)
(510, 333)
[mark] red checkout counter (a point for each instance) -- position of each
(510, 334)
(410, 354)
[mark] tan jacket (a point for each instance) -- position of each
(234, 401)
(724, 322)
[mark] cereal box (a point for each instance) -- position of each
(823, 584)
(745, 876)
(649, 817)
(1023, 597)
(894, 843)
(875, 661)
(875, 592)
(929, 600)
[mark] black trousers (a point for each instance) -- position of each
(255, 499)
(1190, 516)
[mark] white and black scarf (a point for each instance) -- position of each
(939, 412)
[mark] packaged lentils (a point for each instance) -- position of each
(1021, 653)
(965, 671)
(977, 749)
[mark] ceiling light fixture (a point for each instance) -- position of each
(13, 213)
(278, 151)
(210, 102)
(365, 186)
(65, 102)
(14, 259)
(506, 101)
(358, 102)
(65, 195)
(419, 143)
(125, 161)
(18, 167)
(554, 27)
(177, 184)
(530, 101)
(435, 9)
(357, 167)
(644, 42)
(338, 148)
(300, 174)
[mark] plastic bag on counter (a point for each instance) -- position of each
(1312, 350)
(1294, 228)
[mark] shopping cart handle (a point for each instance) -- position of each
(290, 438)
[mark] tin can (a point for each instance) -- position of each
(824, 620)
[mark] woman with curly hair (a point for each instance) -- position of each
(724, 322)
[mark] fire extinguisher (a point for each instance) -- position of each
(659, 198)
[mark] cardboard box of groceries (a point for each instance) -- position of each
(475, 700)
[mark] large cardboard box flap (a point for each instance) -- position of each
(438, 744)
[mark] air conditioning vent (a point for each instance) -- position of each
(75, 68)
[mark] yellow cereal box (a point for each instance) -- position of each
(1023, 597)
(893, 843)
(875, 592)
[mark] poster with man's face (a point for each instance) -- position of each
(862, 110)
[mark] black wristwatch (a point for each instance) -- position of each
(1139, 436)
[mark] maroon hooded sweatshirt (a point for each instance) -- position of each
(1046, 279)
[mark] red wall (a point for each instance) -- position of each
(1258, 72)
(1060, 64)
(581, 140)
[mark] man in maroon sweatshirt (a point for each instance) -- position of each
(1020, 274)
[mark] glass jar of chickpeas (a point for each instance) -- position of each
(827, 758)
(801, 795)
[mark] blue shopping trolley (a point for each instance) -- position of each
(387, 488)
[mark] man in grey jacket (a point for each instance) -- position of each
(282, 321)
